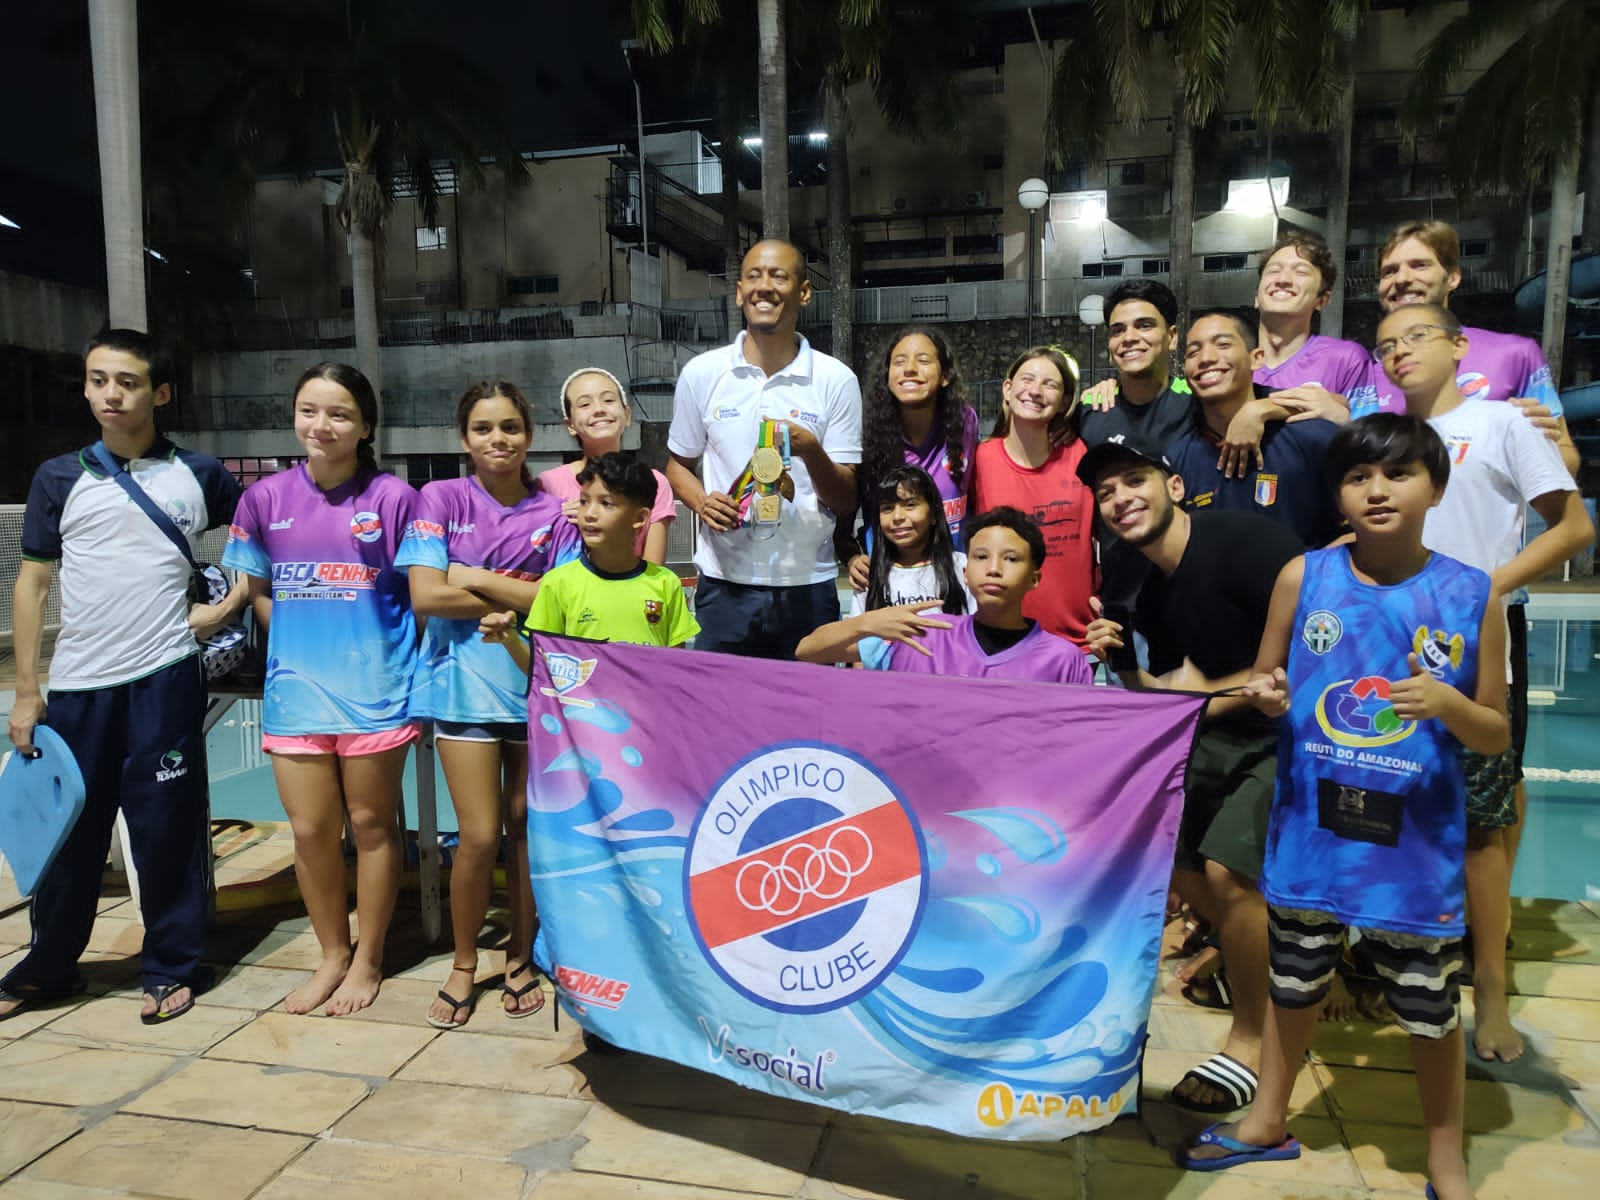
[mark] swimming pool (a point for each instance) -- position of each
(1560, 854)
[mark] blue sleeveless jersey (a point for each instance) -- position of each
(1369, 820)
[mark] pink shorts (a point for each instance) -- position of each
(345, 745)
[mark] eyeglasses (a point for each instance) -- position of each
(1414, 336)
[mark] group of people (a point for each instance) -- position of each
(1227, 531)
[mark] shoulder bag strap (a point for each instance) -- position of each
(139, 496)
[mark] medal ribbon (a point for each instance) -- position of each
(771, 435)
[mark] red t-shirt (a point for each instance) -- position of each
(1054, 496)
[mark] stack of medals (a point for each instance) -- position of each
(765, 482)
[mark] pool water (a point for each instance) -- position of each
(1560, 853)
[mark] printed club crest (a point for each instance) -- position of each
(1438, 650)
(567, 673)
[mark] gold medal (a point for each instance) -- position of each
(766, 465)
(769, 509)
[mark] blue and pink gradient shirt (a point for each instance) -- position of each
(342, 641)
(460, 677)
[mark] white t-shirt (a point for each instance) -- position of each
(717, 411)
(910, 585)
(1498, 463)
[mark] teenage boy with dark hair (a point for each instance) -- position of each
(1381, 643)
(1284, 479)
(1005, 552)
(1202, 609)
(127, 693)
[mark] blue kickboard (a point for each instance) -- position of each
(40, 801)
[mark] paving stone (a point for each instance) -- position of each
(252, 1096)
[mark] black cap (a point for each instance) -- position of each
(1117, 448)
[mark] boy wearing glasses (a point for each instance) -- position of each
(1499, 462)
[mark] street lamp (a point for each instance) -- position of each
(1033, 195)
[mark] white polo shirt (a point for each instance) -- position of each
(717, 411)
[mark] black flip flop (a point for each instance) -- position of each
(159, 994)
(516, 994)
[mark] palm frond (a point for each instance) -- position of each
(1121, 41)
(1084, 104)
(1201, 38)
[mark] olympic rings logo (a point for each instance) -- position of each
(825, 872)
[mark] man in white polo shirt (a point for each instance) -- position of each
(774, 428)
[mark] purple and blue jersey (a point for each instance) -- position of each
(341, 644)
(1342, 367)
(1497, 366)
(1040, 656)
(933, 457)
(460, 677)
(1369, 821)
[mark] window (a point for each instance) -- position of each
(249, 470)
(1476, 248)
(1132, 174)
(977, 243)
(347, 297)
(994, 162)
(1102, 270)
(1224, 262)
(1386, 156)
(1156, 266)
(421, 468)
(1352, 254)
(1240, 124)
(532, 285)
(432, 239)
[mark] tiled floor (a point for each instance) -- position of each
(240, 1099)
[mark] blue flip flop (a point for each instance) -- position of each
(1237, 1151)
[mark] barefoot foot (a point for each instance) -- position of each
(1340, 1005)
(359, 989)
(1493, 1036)
(316, 990)
(1202, 966)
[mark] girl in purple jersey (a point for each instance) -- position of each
(318, 543)
(912, 558)
(915, 413)
(596, 405)
(479, 545)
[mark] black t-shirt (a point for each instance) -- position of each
(1159, 424)
(1213, 608)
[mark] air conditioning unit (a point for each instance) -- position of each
(977, 199)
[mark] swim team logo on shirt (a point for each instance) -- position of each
(1438, 651)
(1474, 385)
(1266, 490)
(366, 527)
(1322, 631)
(540, 537)
(321, 580)
(427, 529)
(1457, 447)
(1358, 713)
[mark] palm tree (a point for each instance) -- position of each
(1111, 49)
(114, 46)
(400, 108)
(1523, 118)
(774, 109)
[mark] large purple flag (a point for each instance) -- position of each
(931, 899)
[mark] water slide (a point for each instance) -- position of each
(1583, 321)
